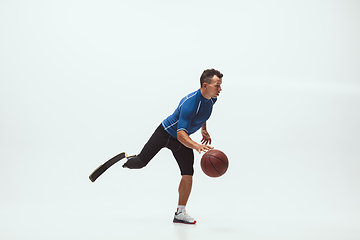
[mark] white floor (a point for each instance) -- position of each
(137, 204)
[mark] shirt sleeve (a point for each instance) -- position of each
(187, 113)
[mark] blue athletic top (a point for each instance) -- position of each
(193, 111)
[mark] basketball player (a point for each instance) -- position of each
(174, 133)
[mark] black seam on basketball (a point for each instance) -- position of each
(214, 167)
(219, 159)
(206, 156)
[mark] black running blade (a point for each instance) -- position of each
(100, 170)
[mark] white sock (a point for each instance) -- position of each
(180, 208)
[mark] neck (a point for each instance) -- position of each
(203, 93)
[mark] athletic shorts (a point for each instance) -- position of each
(160, 139)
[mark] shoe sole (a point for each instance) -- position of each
(183, 222)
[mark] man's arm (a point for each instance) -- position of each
(206, 136)
(184, 138)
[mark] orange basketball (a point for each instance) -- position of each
(214, 163)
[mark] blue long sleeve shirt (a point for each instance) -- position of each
(193, 111)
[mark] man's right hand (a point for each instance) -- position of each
(202, 148)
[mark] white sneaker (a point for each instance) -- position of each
(183, 217)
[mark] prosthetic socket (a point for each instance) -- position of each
(134, 163)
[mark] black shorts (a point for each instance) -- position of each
(160, 139)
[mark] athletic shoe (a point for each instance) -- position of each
(183, 217)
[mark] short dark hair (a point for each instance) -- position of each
(208, 74)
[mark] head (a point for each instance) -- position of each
(211, 81)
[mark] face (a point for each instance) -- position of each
(214, 88)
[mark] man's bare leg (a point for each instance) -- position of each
(185, 189)
(184, 192)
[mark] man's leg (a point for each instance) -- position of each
(185, 159)
(185, 189)
(156, 142)
(184, 192)
(134, 163)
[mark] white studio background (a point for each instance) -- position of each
(81, 81)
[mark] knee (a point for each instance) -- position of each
(187, 178)
(134, 163)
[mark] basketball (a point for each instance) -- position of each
(214, 163)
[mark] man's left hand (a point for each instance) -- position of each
(206, 137)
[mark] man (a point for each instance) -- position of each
(174, 133)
